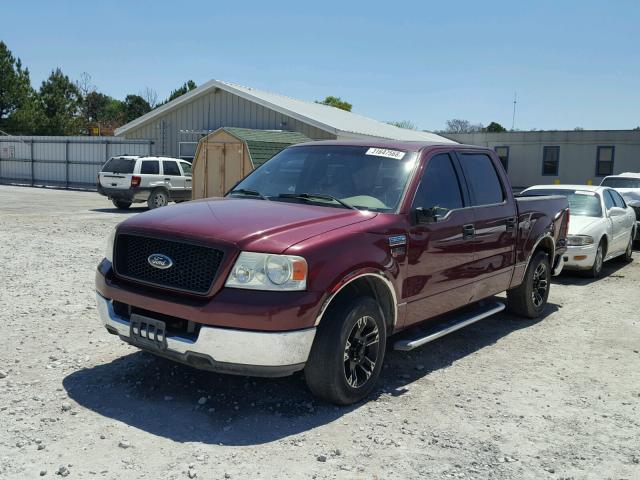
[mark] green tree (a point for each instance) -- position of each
(336, 102)
(29, 117)
(135, 106)
(61, 101)
(15, 86)
(186, 87)
(495, 127)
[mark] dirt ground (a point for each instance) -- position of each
(501, 399)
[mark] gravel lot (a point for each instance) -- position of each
(504, 398)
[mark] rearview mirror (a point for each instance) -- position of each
(426, 215)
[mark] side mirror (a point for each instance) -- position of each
(426, 215)
(616, 211)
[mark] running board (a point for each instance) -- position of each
(457, 323)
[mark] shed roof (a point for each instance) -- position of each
(330, 119)
(264, 144)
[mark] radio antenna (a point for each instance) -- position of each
(513, 119)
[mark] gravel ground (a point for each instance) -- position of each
(504, 398)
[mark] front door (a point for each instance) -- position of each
(439, 251)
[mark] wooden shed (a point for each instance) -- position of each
(225, 156)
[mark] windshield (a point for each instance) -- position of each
(581, 202)
(119, 165)
(621, 182)
(333, 175)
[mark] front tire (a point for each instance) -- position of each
(348, 351)
(530, 298)
(628, 253)
(596, 269)
(120, 204)
(157, 199)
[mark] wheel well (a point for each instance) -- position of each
(546, 245)
(374, 287)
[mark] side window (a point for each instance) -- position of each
(186, 168)
(550, 160)
(170, 168)
(617, 199)
(608, 200)
(482, 178)
(439, 187)
(503, 154)
(150, 167)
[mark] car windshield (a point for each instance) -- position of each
(621, 182)
(338, 176)
(119, 165)
(581, 202)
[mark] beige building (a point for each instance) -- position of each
(576, 156)
(176, 127)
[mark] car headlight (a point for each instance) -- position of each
(264, 271)
(579, 240)
(108, 254)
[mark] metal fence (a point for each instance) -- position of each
(68, 162)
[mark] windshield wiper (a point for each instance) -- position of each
(252, 193)
(311, 196)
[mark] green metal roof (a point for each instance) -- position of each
(264, 144)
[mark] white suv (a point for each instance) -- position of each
(128, 179)
(628, 185)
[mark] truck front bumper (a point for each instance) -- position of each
(225, 350)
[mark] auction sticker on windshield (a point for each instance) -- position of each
(385, 152)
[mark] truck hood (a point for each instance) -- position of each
(250, 225)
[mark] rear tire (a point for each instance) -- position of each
(157, 199)
(120, 204)
(348, 351)
(529, 299)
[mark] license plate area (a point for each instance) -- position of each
(148, 332)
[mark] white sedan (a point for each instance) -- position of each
(601, 225)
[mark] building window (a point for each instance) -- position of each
(550, 160)
(604, 161)
(503, 154)
(187, 150)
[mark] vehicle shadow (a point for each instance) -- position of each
(120, 211)
(188, 405)
(612, 269)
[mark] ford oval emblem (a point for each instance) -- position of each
(157, 260)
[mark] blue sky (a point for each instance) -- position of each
(572, 63)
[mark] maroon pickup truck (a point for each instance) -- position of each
(317, 257)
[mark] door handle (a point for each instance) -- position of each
(511, 224)
(167, 179)
(468, 231)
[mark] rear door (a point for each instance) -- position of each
(495, 222)
(117, 173)
(439, 253)
(173, 179)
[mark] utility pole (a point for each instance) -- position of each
(513, 119)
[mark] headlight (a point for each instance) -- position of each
(263, 271)
(579, 240)
(108, 254)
